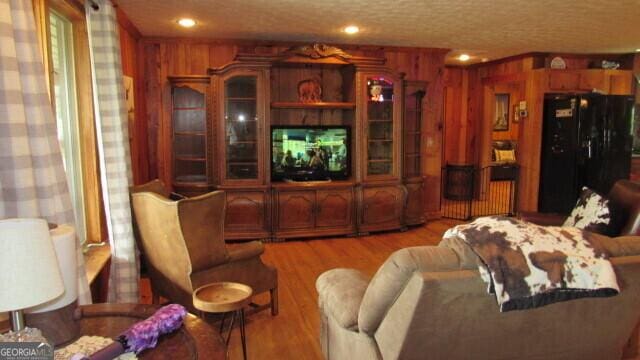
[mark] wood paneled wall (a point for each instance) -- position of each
(468, 136)
(130, 39)
(456, 98)
(159, 58)
(635, 164)
(513, 90)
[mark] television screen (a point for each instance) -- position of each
(306, 153)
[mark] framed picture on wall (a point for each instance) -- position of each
(502, 110)
(516, 114)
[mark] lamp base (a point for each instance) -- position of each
(59, 326)
(17, 320)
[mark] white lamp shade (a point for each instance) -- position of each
(29, 272)
(64, 242)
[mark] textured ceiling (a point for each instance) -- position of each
(484, 28)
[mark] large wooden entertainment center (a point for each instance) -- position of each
(221, 140)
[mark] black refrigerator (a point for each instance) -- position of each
(586, 141)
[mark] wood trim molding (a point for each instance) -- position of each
(87, 128)
(41, 15)
(284, 44)
(74, 11)
(124, 21)
(71, 9)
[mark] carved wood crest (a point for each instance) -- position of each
(318, 51)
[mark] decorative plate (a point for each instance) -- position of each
(558, 63)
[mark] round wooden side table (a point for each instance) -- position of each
(225, 297)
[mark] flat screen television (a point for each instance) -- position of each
(306, 153)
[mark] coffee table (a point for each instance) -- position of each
(225, 297)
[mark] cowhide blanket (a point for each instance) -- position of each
(527, 265)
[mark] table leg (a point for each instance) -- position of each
(233, 317)
(243, 335)
(224, 316)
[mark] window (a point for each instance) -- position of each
(66, 112)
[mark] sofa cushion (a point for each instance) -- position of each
(505, 155)
(615, 246)
(502, 145)
(340, 294)
(393, 275)
(590, 213)
(467, 259)
(624, 201)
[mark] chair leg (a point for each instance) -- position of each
(274, 301)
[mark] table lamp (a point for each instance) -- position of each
(29, 272)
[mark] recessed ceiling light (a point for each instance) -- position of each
(186, 22)
(351, 29)
(464, 57)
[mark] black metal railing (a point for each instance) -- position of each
(470, 192)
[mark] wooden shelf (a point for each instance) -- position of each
(379, 160)
(380, 121)
(190, 158)
(241, 142)
(190, 179)
(318, 105)
(190, 133)
(241, 99)
(242, 163)
(189, 108)
(231, 121)
(380, 140)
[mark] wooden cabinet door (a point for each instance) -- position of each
(334, 208)
(241, 120)
(592, 79)
(563, 80)
(380, 128)
(188, 143)
(621, 84)
(296, 210)
(382, 205)
(414, 209)
(245, 211)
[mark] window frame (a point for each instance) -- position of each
(73, 11)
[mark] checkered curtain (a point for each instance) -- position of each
(32, 178)
(113, 143)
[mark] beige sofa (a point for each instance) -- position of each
(430, 303)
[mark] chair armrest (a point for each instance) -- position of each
(340, 292)
(245, 250)
(544, 219)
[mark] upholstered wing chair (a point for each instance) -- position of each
(183, 242)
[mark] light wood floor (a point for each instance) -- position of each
(294, 333)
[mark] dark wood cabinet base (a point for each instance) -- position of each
(311, 209)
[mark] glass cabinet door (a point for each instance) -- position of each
(189, 135)
(241, 127)
(380, 125)
(413, 95)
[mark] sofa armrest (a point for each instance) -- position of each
(340, 292)
(245, 251)
(544, 219)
